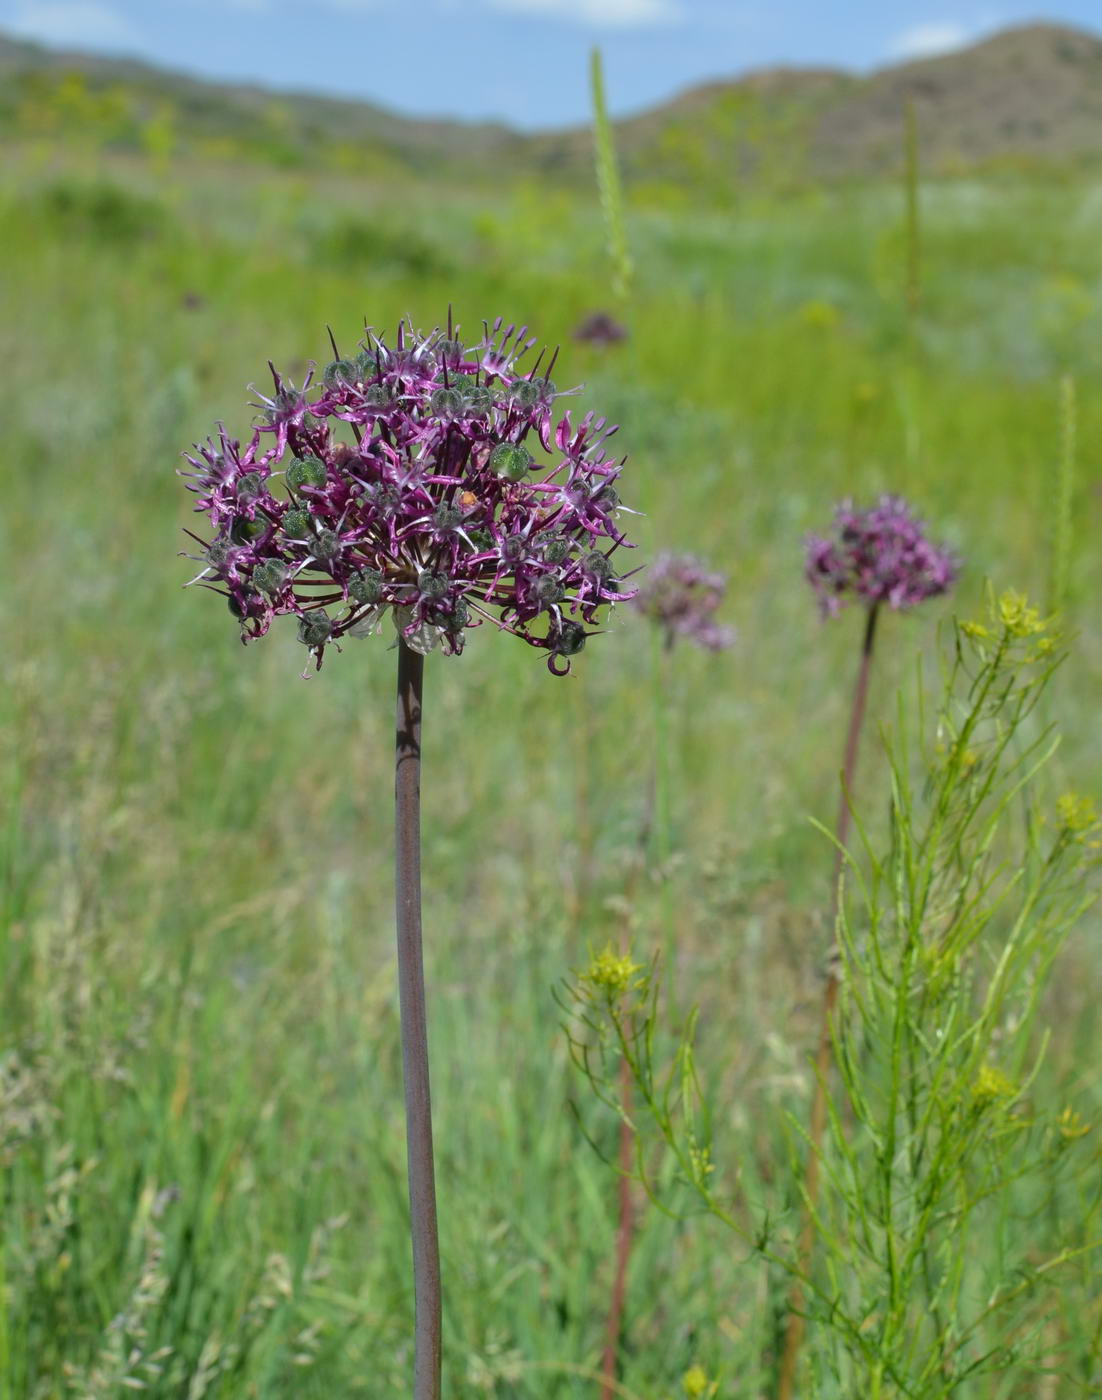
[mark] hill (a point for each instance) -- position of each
(1031, 94)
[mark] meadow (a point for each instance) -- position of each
(201, 1133)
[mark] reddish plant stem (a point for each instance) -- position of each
(795, 1331)
(415, 1046)
(624, 1232)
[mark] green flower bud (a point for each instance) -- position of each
(296, 523)
(314, 628)
(446, 402)
(366, 586)
(306, 471)
(339, 372)
(270, 576)
(511, 459)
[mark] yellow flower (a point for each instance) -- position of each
(613, 973)
(1017, 617)
(1070, 1126)
(1077, 814)
(990, 1086)
(696, 1385)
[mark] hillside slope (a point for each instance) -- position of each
(1026, 94)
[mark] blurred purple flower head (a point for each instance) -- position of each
(456, 499)
(681, 596)
(879, 555)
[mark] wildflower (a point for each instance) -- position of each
(462, 500)
(599, 328)
(696, 1385)
(1012, 626)
(681, 596)
(1071, 1126)
(879, 555)
(991, 1086)
(1077, 815)
(613, 974)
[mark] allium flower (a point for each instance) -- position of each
(879, 555)
(681, 596)
(457, 498)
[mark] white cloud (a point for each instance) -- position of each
(926, 40)
(608, 14)
(79, 22)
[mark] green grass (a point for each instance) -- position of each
(199, 1034)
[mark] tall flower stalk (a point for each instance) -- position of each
(432, 484)
(679, 596)
(876, 557)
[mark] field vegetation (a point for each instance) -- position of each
(201, 1136)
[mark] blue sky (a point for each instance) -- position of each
(523, 61)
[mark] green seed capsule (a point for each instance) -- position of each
(327, 544)
(479, 398)
(366, 586)
(296, 523)
(570, 640)
(446, 517)
(367, 366)
(446, 402)
(525, 392)
(460, 616)
(314, 628)
(556, 549)
(450, 351)
(243, 529)
(549, 590)
(220, 553)
(377, 396)
(432, 585)
(306, 471)
(511, 459)
(339, 372)
(597, 565)
(270, 576)
(249, 486)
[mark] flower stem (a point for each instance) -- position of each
(415, 1047)
(624, 1236)
(795, 1330)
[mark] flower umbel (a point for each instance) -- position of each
(613, 974)
(879, 555)
(681, 596)
(456, 499)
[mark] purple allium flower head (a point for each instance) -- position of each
(457, 499)
(879, 555)
(681, 596)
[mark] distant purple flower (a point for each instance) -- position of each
(461, 500)
(879, 555)
(681, 596)
(599, 328)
